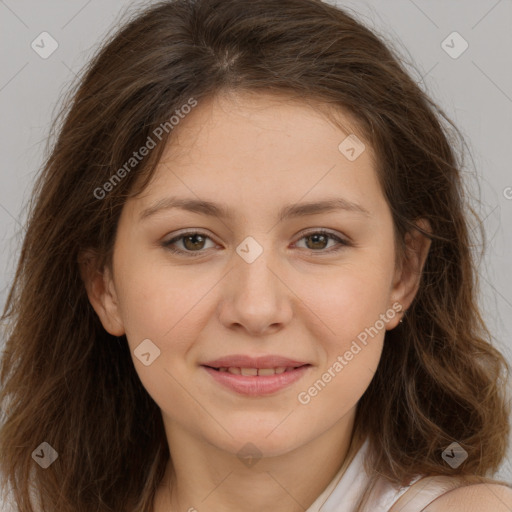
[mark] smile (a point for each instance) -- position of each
(256, 381)
(256, 371)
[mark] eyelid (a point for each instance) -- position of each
(325, 231)
(190, 231)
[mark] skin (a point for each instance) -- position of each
(474, 498)
(255, 154)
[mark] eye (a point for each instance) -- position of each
(320, 238)
(194, 241)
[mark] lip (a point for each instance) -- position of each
(255, 385)
(244, 361)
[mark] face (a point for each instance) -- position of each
(310, 289)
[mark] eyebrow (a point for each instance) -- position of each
(221, 211)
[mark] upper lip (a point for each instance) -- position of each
(243, 361)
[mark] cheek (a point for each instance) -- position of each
(349, 340)
(163, 306)
(353, 305)
(339, 385)
(348, 299)
(157, 300)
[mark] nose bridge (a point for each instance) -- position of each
(256, 297)
(253, 271)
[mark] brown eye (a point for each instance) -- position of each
(192, 242)
(317, 241)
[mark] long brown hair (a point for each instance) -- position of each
(67, 382)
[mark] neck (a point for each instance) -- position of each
(204, 477)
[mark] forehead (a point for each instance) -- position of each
(249, 116)
(249, 146)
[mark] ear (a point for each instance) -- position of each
(100, 288)
(407, 277)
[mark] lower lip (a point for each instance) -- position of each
(254, 385)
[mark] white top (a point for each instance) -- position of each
(347, 491)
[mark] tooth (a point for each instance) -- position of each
(223, 369)
(249, 371)
(280, 369)
(233, 369)
(266, 371)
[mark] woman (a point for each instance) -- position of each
(184, 337)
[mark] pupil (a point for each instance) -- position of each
(316, 237)
(194, 245)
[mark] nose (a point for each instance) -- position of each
(256, 297)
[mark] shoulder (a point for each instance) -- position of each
(478, 498)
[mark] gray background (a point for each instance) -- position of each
(474, 89)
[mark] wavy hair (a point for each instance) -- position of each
(66, 381)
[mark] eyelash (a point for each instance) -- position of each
(168, 244)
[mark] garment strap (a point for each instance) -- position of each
(423, 492)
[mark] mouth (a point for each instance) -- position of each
(235, 370)
(256, 381)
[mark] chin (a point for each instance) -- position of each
(267, 441)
